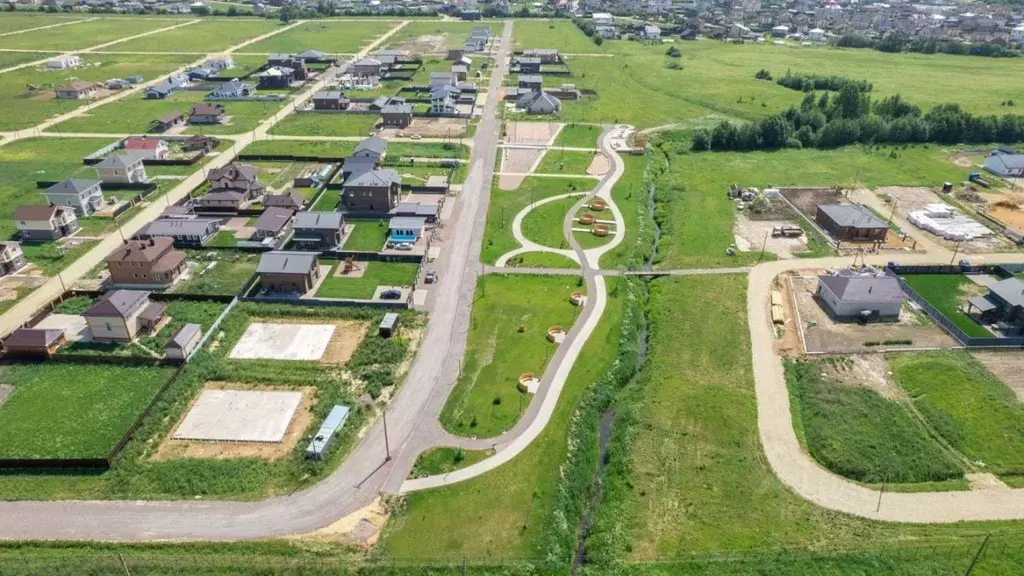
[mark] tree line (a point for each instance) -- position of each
(850, 117)
(588, 28)
(896, 42)
(811, 82)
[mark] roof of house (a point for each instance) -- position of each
(529, 60)
(851, 216)
(329, 95)
(366, 62)
(122, 303)
(119, 161)
(153, 311)
(276, 72)
(416, 209)
(219, 195)
(176, 210)
(72, 186)
(77, 86)
(290, 199)
(206, 110)
(232, 87)
(164, 87)
(531, 78)
(141, 250)
(1008, 160)
(397, 109)
(407, 222)
(33, 337)
(864, 288)
(319, 220)
(182, 337)
(177, 226)
(234, 171)
(378, 146)
(286, 262)
(538, 102)
(171, 117)
(273, 219)
(38, 212)
(541, 52)
(1010, 290)
(375, 178)
(143, 143)
(311, 55)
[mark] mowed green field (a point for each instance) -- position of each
(20, 107)
(375, 274)
(8, 59)
(630, 195)
(329, 37)
(949, 293)
(10, 22)
(85, 34)
(72, 410)
(447, 34)
(326, 124)
(209, 35)
(561, 35)
(578, 136)
(557, 161)
(543, 224)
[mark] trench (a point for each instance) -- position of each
(649, 262)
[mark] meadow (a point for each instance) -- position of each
(453, 33)
(543, 224)
(508, 337)
(84, 34)
(326, 124)
(329, 37)
(366, 235)
(557, 161)
(327, 148)
(72, 410)
(217, 272)
(24, 21)
(946, 293)
(630, 196)
(15, 58)
(578, 136)
(207, 36)
(375, 274)
(562, 35)
(544, 260)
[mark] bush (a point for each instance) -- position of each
(673, 65)
(673, 52)
(763, 74)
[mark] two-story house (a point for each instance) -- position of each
(121, 315)
(12, 258)
(45, 223)
(318, 230)
(152, 263)
(122, 168)
(183, 231)
(84, 196)
(374, 191)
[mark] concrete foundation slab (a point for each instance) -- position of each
(239, 416)
(283, 341)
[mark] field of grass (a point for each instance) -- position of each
(486, 400)
(367, 235)
(543, 260)
(454, 33)
(630, 196)
(502, 513)
(560, 162)
(505, 204)
(697, 217)
(327, 202)
(543, 224)
(15, 58)
(82, 35)
(444, 460)
(326, 124)
(21, 108)
(855, 432)
(329, 37)
(970, 407)
(11, 22)
(206, 36)
(561, 35)
(578, 136)
(362, 288)
(398, 149)
(217, 272)
(588, 240)
(946, 293)
(330, 148)
(72, 410)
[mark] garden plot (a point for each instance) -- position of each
(1007, 365)
(283, 341)
(239, 416)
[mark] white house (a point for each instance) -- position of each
(861, 297)
(780, 30)
(122, 168)
(602, 19)
(816, 35)
(62, 62)
(1017, 34)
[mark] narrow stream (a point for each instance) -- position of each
(649, 263)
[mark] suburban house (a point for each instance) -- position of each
(1004, 304)
(651, 33)
(602, 19)
(34, 342)
(330, 100)
(224, 62)
(531, 81)
(455, 54)
(77, 90)
(291, 200)
(318, 230)
(292, 62)
(373, 191)
(271, 224)
(538, 103)
(816, 35)
(430, 212)
(373, 147)
(84, 196)
(62, 62)
(152, 148)
(546, 55)
(201, 73)
(44, 223)
(396, 115)
(168, 121)
(365, 67)
(276, 78)
(164, 89)
(232, 89)
(1005, 164)
(12, 258)
(182, 231)
(184, 342)
(315, 56)
(442, 99)
(860, 297)
(183, 211)
(355, 166)
(471, 15)
(199, 142)
(406, 229)
(206, 114)
(438, 79)
(117, 84)
(529, 65)
(122, 168)
(151, 263)
(380, 102)
(121, 315)
(851, 222)
(222, 200)
(461, 71)
(289, 271)
(239, 178)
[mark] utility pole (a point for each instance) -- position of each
(764, 245)
(893, 213)
(387, 447)
(955, 250)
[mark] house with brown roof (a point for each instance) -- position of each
(207, 114)
(168, 121)
(272, 224)
(291, 200)
(239, 178)
(152, 263)
(77, 90)
(34, 342)
(200, 142)
(45, 223)
(121, 315)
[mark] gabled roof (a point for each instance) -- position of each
(143, 143)
(1014, 161)
(1010, 290)
(141, 250)
(119, 161)
(538, 102)
(366, 62)
(286, 262)
(397, 109)
(374, 178)
(276, 72)
(319, 220)
(311, 55)
(77, 86)
(218, 195)
(33, 337)
(234, 171)
(182, 337)
(206, 110)
(864, 288)
(170, 227)
(288, 199)
(170, 117)
(273, 219)
(72, 186)
(37, 213)
(373, 144)
(121, 303)
(851, 216)
(531, 78)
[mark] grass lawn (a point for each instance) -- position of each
(444, 460)
(505, 204)
(578, 136)
(217, 272)
(855, 432)
(51, 259)
(328, 201)
(562, 35)
(72, 410)
(560, 162)
(224, 239)
(23, 21)
(328, 149)
(366, 235)
(543, 224)
(946, 293)
(362, 288)
(22, 108)
(452, 34)
(329, 37)
(83, 34)
(588, 240)
(183, 312)
(968, 405)
(501, 513)
(341, 124)
(206, 36)
(14, 58)
(697, 217)
(427, 150)
(486, 400)
(543, 260)
(630, 195)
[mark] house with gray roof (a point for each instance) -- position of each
(851, 222)
(232, 89)
(860, 297)
(438, 79)
(529, 65)
(330, 100)
(84, 196)
(538, 103)
(272, 224)
(122, 168)
(396, 115)
(1005, 164)
(288, 271)
(121, 315)
(374, 191)
(1004, 305)
(184, 231)
(318, 230)
(366, 68)
(184, 342)
(372, 147)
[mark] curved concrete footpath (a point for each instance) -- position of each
(527, 245)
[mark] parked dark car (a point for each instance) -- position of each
(391, 295)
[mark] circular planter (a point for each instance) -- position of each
(555, 333)
(587, 218)
(599, 230)
(527, 380)
(598, 205)
(576, 298)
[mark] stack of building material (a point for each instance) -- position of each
(943, 220)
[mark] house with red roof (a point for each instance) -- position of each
(149, 147)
